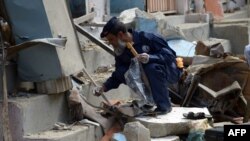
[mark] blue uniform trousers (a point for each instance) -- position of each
(157, 77)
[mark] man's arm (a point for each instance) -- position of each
(116, 78)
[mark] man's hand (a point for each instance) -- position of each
(98, 90)
(144, 58)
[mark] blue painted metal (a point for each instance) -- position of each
(29, 21)
(77, 8)
(117, 6)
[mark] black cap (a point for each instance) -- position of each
(108, 27)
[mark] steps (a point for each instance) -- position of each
(33, 116)
(35, 113)
(78, 133)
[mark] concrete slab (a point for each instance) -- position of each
(195, 31)
(174, 123)
(168, 138)
(237, 33)
(35, 114)
(78, 133)
(174, 19)
(197, 18)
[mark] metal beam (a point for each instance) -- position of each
(85, 18)
(95, 24)
(94, 39)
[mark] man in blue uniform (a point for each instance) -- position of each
(157, 58)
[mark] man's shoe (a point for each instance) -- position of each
(162, 112)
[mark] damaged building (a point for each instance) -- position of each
(52, 59)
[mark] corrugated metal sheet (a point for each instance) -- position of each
(161, 5)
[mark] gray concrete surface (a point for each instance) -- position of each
(175, 19)
(78, 133)
(197, 18)
(35, 114)
(195, 31)
(174, 123)
(95, 56)
(237, 14)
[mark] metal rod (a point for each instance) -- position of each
(96, 85)
(94, 39)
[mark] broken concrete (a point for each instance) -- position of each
(225, 43)
(174, 123)
(135, 131)
(123, 93)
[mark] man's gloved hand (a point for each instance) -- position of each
(98, 90)
(144, 58)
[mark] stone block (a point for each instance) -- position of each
(135, 131)
(35, 113)
(225, 43)
(236, 33)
